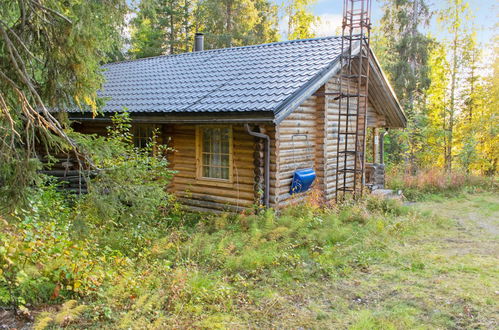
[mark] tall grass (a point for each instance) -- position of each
(436, 181)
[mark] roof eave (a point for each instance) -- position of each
(401, 120)
(183, 118)
(296, 99)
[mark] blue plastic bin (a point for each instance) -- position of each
(302, 180)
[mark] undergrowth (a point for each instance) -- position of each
(426, 183)
(186, 270)
(126, 255)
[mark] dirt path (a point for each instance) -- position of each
(476, 229)
(477, 214)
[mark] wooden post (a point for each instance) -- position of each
(376, 149)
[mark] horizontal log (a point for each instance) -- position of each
(210, 205)
(213, 191)
(217, 199)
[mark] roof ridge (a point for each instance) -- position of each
(222, 49)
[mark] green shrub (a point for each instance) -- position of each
(128, 195)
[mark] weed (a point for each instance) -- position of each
(434, 181)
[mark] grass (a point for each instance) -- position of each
(374, 265)
(431, 183)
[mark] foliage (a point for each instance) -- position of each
(300, 19)
(51, 54)
(161, 27)
(198, 267)
(232, 23)
(404, 52)
(158, 269)
(70, 312)
(435, 181)
(460, 46)
(444, 89)
(62, 246)
(40, 259)
(128, 192)
(168, 27)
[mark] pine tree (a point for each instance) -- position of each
(168, 26)
(161, 27)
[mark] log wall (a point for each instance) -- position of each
(308, 138)
(207, 195)
(297, 148)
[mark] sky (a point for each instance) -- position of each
(485, 12)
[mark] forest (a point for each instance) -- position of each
(128, 255)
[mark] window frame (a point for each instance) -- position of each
(199, 155)
(141, 126)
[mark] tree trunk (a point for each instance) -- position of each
(452, 109)
(172, 32)
(229, 22)
(186, 24)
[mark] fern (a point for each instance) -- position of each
(70, 312)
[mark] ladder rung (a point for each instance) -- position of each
(348, 152)
(349, 170)
(357, 11)
(351, 95)
(355, 37)
(349, 76)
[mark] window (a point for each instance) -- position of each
(142, 135)
(214, 151)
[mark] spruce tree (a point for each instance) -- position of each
(404, 52)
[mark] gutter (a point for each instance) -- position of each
(266, 198)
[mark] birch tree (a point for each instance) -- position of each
(300, 19)
(453, 19)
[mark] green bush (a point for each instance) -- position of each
(58, 246)
(128, 195)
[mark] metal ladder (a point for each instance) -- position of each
(353, 91)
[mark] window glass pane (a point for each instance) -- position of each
(207, 140)
(206, 159)
(225, 161)
(206, 171)
(225, 173)
(215, 160)
(215, 152)
(216, 141)
(142, 135)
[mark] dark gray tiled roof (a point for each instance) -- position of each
(252, 78)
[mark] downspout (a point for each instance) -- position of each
(266, 194)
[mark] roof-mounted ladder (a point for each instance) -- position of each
(352, 98)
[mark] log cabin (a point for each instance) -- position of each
(248, 123)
